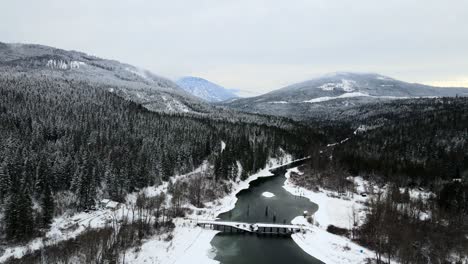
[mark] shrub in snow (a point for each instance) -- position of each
(337, 230)
(169, 237)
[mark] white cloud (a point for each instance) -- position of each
(457, 81)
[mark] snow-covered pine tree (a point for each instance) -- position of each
(47, 203)
(5, 183)
(19, 220)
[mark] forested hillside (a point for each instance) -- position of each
(418, 141)
(416, 146)
(328, 96)
(65, 144)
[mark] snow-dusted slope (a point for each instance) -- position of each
(139, 85)
(336, 91)
(205, 89)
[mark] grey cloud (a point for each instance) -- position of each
(252, 44)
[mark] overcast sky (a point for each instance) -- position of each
(256, 45)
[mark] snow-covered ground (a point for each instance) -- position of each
(190, 244)
(268, 194)
(62, 228)
(351, 95)
(327, 247)
(339, 211)
(346, 85)
(320, 244)
(328, 98)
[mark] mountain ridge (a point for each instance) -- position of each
(335, 92)
(142, 86)
(205, 89)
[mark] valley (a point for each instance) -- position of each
(105, 162)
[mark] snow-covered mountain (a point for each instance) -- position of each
(139, 85)
(58, 67)
(336, 91)
(205, 89)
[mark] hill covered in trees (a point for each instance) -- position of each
(418, 141)
(66, 143)
(398, 146)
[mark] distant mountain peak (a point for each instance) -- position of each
(205, 89)
(335, 92)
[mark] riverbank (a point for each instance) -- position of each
(192, 244)
(321, 244)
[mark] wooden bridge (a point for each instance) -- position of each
(253, 228)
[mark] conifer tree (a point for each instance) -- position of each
(19, 221)
(47, 203)
(5, 184)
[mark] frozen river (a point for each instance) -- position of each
(266, 201)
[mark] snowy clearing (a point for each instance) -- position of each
(346, 85)
(278, 102)
(356, 94)
(332, 211)
(328, 98)
(320, 244)
(63, 65)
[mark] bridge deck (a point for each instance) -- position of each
(261, 228)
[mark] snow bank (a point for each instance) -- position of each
(332, 211)
(190, 244)
(268, 194)
(328, 248)
(317, 242)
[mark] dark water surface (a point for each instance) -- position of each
(251, 207)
